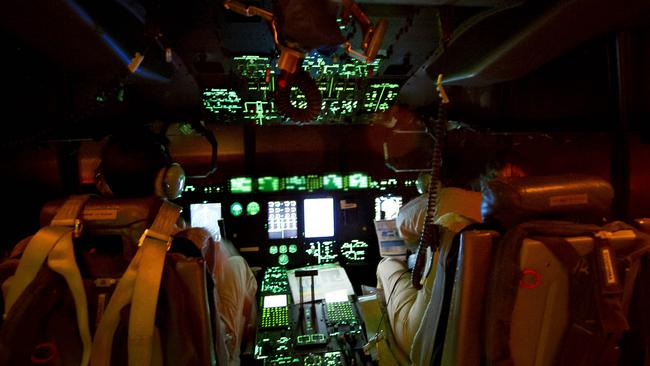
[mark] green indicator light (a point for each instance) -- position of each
(241, 185)
(283, 248)
(252, 208)
(268, 184)
(358, 181)
(273, 249)
(186, 129)
(293, 248)
(236, 209)
(283, 259)
(332, 181)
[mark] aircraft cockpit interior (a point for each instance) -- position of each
(325, 182)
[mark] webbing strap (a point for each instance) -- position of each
(31, 262)
(39, 248)
(68, 213)
(139, 286)
(62, 261)
(596, 301)
(54, 243)
(103, 341)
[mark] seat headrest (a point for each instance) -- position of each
(573, 197)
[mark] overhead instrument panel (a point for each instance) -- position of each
(350, 89)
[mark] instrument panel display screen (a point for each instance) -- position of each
(282, 219)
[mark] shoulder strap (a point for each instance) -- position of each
(54, 244)
(504, 281)
(595, 319)
(139, 286)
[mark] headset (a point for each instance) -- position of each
(168, 182)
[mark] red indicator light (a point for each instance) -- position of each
(530, 278)
(44, 353)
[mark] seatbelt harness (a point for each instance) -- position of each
(139, 286)
(54, 244)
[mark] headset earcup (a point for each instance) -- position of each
(170, 181)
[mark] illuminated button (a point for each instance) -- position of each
(253, 208)
(236, 209)
(283, 248)
(273, 249)
(283, 259)
(293, 248)
(317, 337)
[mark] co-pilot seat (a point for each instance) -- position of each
(540, 315)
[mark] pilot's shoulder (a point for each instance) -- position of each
(454, 221)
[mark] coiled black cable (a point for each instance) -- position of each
(303, 81)
(430, 231)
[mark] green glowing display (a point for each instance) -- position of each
(293, 248)
(314, 182)
(252, 208)
(295, 183)
(268, 184)
(251, 66)
(355, 250)
(379, 97)
(323, 251)
(283, 259)
(241, 185)
(342, 81)
(283, 249)
(218, 100)
(260, 111)
(236, 209)
(358, 181)
(332, 181)
(351, 68)
(273, 249)
(388, 183)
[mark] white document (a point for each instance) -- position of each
(331, 279)
(390, 243)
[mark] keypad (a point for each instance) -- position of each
(338, 312)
